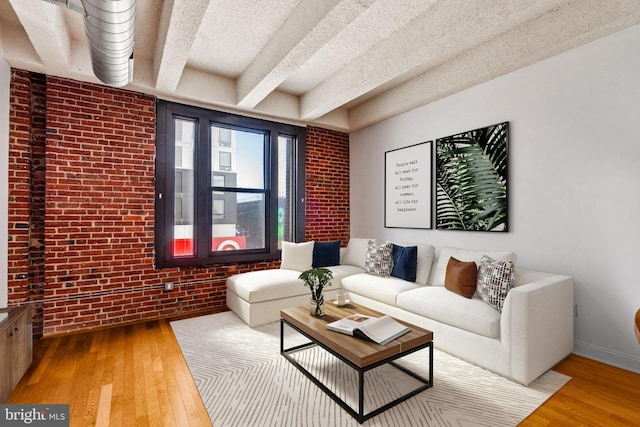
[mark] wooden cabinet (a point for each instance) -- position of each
(16, 348)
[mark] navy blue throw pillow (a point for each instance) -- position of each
(405, 262)
(326, 254)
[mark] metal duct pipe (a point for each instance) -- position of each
(109, 25)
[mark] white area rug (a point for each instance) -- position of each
(244, 381)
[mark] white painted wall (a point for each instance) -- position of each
(5, 79)
(573, 185)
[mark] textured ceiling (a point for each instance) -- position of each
(342, 64)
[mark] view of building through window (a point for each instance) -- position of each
(286, 193)
(184, 187)
(238, 198)
(237, 160)
(229, 188)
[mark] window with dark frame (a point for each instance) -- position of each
(228, 188)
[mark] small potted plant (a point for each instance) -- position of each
(316, 279)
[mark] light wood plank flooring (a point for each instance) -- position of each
(131, 375)
(135, 375)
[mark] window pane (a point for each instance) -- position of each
(224, 161)
(285, 189)
(218, 208)
(218, 180)
(224, 137)
(183, 188)
(242, 155)
(241, 226)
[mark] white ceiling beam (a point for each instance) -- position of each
(47, 30)
(428, 40)
(312, 24)
(206, 88)
(539, 39)
(17, 49)
(378, 22)
(179, 25)
(336, 120)
(210, 91)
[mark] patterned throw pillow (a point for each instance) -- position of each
(379, 260)
(495, 280)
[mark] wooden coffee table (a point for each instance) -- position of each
(360, 354)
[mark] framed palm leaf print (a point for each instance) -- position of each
(472, 180)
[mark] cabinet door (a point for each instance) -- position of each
(5, 366)
(21, 347)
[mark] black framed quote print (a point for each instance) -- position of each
(471, 180)
(408, 191)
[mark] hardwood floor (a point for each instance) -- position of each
(131, 375)
(596, 395)
(135, 375)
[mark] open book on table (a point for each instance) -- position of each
(381, 330)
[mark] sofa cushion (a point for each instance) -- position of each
(326, 254)
(379, 259)
(437, 303)
(383, 289)
(342, 271)
(297, 256)
(356, 252)
(461, 277)
(447, 252)
(495, 280)
(278, 283)
(266, 285)
(405, 262)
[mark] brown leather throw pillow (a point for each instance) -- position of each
(461, 277)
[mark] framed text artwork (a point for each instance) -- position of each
(408, 191)
(471, 180)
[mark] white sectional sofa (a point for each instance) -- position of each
(533, 331)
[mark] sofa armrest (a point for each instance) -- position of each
(537, 324)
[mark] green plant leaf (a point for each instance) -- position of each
(316, 279)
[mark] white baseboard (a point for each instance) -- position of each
(608, 356)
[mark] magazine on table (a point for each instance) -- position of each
(381, 330)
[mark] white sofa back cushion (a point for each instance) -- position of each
(461, 254)
(426, 253)
(297, 256)
(356, 252)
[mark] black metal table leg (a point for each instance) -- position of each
(359, 415)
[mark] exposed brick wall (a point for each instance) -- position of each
(327, 191)
(19, 214)
(99, 208)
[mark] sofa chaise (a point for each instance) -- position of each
(522, 336)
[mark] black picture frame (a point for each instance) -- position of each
(408, 187)
(472, 180)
